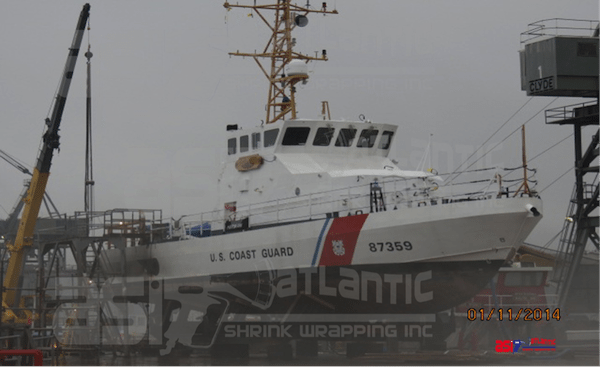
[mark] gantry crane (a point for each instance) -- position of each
(24, 238)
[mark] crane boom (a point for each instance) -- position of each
(35, 194)
(12, 161)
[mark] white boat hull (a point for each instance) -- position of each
(405, 256)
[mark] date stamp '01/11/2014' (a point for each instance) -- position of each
(509, 314)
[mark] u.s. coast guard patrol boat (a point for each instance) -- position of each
(318, 226)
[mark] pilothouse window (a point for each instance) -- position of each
(324, 136)
(271, 137)
(345, 137)
(255, 140)
(367, 138)
(295, 136)
(231, 146)
(386, 139)
(243, 143)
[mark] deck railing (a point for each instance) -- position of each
(397, 193)
(488, 302)
(559, 27)
(558, 114)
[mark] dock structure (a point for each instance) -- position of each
(62, 277)
(560, 58)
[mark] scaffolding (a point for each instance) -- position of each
(63, 274)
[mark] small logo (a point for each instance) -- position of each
(535, 344)
(517, 345)
(338, 248)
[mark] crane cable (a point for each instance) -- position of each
(565, 138)
(553, 182)
(509, 135)
(476, 150)
(6, 211)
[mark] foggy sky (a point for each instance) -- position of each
(164, 88)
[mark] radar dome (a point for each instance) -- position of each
(297, 68)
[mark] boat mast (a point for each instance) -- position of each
(525, 184)
(89, 168)
(279, 51)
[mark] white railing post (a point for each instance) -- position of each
(348, 203)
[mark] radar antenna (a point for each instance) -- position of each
(279, 50)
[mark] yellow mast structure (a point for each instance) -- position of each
(525, 184)
(279, 52)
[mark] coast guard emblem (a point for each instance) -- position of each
(338, 248)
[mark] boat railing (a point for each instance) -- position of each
(135, 224)
(396, 194)
(559, 27)
(514, 301)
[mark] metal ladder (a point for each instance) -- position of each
(566, 244)
(565, 259)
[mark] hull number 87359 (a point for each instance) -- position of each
(390, 246)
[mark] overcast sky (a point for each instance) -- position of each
(164, 88)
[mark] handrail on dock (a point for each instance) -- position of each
(560, 27)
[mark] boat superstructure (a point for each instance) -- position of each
(296, 158)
